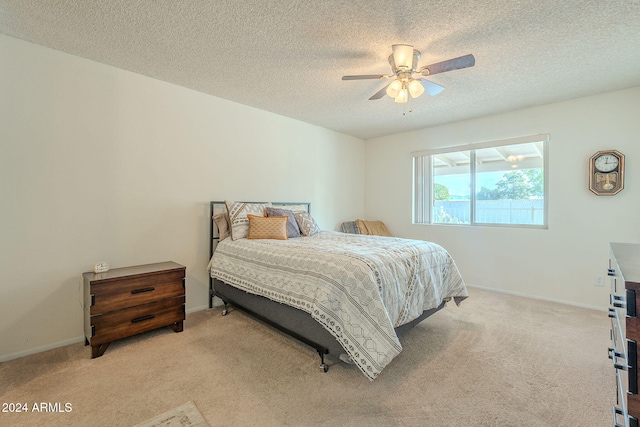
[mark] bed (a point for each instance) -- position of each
(346, 295)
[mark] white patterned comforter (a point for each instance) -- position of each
(358, 287)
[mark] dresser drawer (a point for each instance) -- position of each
(107, 296)
(129, 321)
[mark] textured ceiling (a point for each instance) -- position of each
(288, 57)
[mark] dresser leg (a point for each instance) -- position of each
(177, 327)
(98, 350)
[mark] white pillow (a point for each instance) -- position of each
(238, 217)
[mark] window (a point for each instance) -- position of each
(492, 183)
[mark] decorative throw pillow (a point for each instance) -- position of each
(292, 225)
(307, 224)
(349, 227)
(269, 227)
(222, 222)
(238, 216)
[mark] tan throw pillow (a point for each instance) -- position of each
(270, 227)
(372, 228)
(222, 222)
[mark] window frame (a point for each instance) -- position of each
(422, 214)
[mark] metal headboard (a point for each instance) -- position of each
(217, 207)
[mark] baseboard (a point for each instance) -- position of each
(519, 294)
(200, 308)
(40, 349)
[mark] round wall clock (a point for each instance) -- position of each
(606, 172)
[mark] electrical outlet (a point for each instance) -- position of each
(599, 281)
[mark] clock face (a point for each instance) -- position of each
(606, 162)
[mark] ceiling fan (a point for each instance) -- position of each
(408, 77)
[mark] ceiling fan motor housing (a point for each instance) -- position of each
(399, 59)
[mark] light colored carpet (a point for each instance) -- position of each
(186, 415)
(497, 360)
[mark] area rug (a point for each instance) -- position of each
(186, 415)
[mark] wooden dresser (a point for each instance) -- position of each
(624, 272)
(126, 301)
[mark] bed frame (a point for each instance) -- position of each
(290, 320)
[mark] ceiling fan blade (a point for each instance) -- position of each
(379, 94)
(365, 77)
(431, 88)
(450, 65)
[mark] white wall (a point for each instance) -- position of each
(97, 163)
(560, 263)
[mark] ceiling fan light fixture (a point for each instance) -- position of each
(394, 88)
(403, 56)
(415, 88)
(403, 96)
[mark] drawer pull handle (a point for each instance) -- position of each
(143, 318)
(632, 362)
(611, 272)
(631, 303)
(139, 291)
